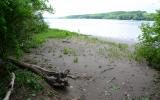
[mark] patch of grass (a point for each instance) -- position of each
(116, 51)
(75, 60)
(67, 50)
(122, 47)
(40, 38)
(114, 87)
(86, 38)
(29, 79)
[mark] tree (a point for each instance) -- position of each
(149, 46)
(19, 19)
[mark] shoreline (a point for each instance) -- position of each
(102, 69)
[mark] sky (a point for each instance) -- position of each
(75, 7)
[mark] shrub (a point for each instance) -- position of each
(149, 46)
(20, 19)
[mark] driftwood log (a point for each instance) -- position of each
(10, 88)
(55, 79)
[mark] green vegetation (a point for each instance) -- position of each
(116, 51)
(40, 38)
(121, 15)
(3, 87)
(66, 51)
(75, 60)
(24, 78)
(149, 46)
(69, 51)
(19, 21)
(28, 79)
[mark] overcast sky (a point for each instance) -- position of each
(74, 7)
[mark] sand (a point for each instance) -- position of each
(97, 75)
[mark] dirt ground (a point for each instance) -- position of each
(95, 75)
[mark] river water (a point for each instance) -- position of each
(127, 30)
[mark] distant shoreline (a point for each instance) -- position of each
(119, 15)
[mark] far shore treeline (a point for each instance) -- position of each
(120, 15)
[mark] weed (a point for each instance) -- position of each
(69, 51)
(60, 56)
(66, 51)
(115, 87)
(75, 60)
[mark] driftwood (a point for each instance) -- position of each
(10, 88)
(56, 79)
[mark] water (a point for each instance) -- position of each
(116, 29)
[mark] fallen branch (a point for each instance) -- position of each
(52, 78)
(10, 88)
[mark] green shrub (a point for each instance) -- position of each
(19, 20)
(149, 46)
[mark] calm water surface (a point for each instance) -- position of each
(116, 29)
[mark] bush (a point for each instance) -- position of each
(19, 20)
(149, 46)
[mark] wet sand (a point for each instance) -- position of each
(97, 76)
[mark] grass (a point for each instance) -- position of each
(40, 38)
(113, 50)
(116, 51)
(75, 60)
(24, 78)
(28, 79)
(67, 50)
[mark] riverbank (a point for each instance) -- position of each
(101, 69)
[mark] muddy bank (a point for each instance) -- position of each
(98, 75)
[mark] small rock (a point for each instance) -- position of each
(123, 83)
(84, 90)
(99, 66)
(71, 87)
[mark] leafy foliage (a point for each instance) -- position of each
(122, 15)
(19, 19)
(149, 46)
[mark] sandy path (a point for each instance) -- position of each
(99, 77)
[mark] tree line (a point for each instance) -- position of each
(120, 15)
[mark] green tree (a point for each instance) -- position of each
(149, 46)
(19, 19)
